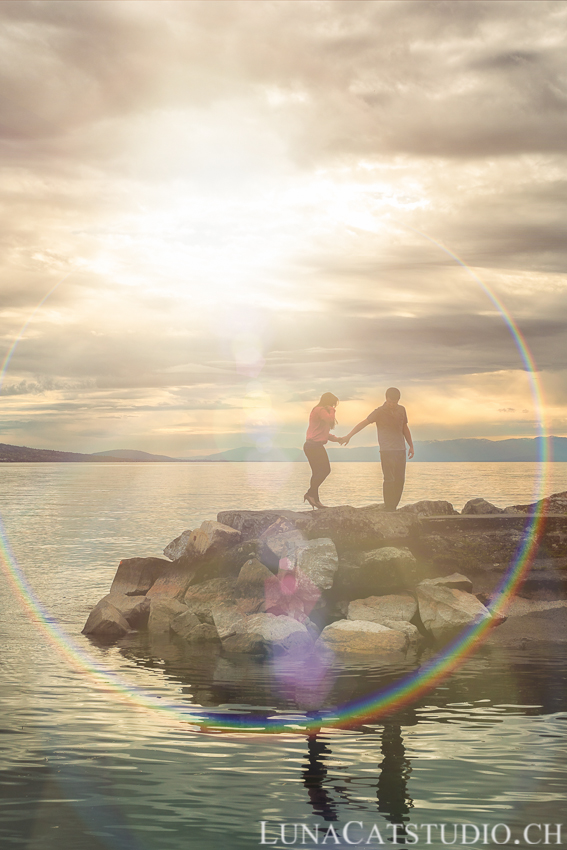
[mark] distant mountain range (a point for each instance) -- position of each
(516, 449)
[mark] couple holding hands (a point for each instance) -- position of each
(392, 425)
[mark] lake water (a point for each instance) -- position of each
(88, 765)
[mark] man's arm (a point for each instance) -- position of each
(409, 441)
(356, 429)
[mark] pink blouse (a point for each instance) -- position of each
(321, 421)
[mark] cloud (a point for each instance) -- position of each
(258, 202)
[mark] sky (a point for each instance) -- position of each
(213, 212)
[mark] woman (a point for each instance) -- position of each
(321, 421)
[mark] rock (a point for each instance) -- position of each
(203, 633)
(377, 572)
(291, 593)
(267, 554)
(358, 528)
(162, 611)
(469, 543)
(286, 544)
(378, 609)
(184, 623)
(135, 576)
(456, 581)
(252, 524)
(318, 561)
(252, 578)
(360, 636)
(430, 508)
(134, 609)
(174, 580)
(408, 629)
(221, 564)
(178, 547)
(480, 507)
(549, 626)
(106, 623)
(554, 504)
(445, 611)
(213, 537)
(266, 634)
(202, 598)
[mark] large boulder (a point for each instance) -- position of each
(378, 609)
(245, 597)
(430, 508)
(213, 537)
(445, 611)
(362, 636)
(316, 559)
(135, 576)
(470, 543)
(178, 547)
(359, 528)
(174, 580)
(252, 524)
(260, 634)
(291, 593)
(134, 609)
(106, 623)
(455, 580)
(377, 572)
(162, 611)
(554, 504)
(544, 626)
(480, 507)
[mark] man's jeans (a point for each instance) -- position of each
(394, 469)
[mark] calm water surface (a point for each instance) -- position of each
(84, 766)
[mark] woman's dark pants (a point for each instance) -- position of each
(320, 467)
(394, 469)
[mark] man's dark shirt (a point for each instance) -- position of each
(390, 426)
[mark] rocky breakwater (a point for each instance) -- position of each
(348, 580)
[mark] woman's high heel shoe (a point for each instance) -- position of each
(309, 498)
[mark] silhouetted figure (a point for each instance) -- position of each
(392, 789)
(393, 433)
(322, 420)
(314, 777)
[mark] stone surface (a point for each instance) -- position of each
(178, 547)
(554, 504)
(445, 611)
(378, 609)
(468, 543)
(359, 636)
(358, 528)
(377, 572)
(266, 634)
(135, 576)
(252, 578)
(174, 580)
(318, 561)
(520, 632)
(184, 623)
(162, 611)
(291, 593)
(213, 537)
(134, 609)
(252, 524)
(430, 508)
(408, 629)
(202, 598)
(221, 564)
(106, 623)
(480, 507)
(455, 580)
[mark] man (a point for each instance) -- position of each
(393, 433)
